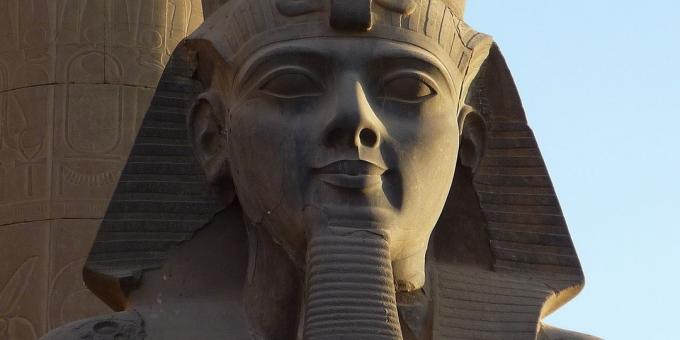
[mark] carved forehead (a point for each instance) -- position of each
(367, 51)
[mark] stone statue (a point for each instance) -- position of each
(331, 170)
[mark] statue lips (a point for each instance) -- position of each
(352, 174)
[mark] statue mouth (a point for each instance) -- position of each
(352, 174)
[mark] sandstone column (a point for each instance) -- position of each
(76, 77)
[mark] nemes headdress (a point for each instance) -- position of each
(243, 26)
(514, 227)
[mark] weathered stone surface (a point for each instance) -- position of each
(69, 298)
(119, 326)
(75, 80)
(24, 283)
(210, 6)
(25, 154)
(378, 181)
(94, 126)
(304, 169)
(41, 284)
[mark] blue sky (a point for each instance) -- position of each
(600, 81)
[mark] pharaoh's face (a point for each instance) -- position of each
(364, 129)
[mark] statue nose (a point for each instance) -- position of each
(368, 138)
(354, 123)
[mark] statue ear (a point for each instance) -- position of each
(472, 138)
(208, 135)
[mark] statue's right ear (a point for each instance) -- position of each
(472, 139)
(207, 132)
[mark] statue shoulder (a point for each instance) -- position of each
(551, 333)
(124, 325)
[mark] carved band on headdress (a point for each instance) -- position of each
(250, 24)
(347, 15)
(297, 7)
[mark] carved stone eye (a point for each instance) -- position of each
(407, 89)
(292, 85)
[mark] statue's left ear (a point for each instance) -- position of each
(472, 138)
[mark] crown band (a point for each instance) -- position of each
(242, 26)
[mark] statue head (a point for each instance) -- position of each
(373, 142)
(335, 106)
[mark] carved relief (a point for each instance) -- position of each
(144, 33)
(69, 299)
(8, 29)
(97, 112)
(94, 118)
(94, 129)
(93, 111)
(27, 123)
(34, 29)
(77, 21)
(16, 327)
(25, 155)
(105, 57)
(23, 280)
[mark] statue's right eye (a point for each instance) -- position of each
(291, 84)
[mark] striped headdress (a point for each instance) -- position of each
(162, 198)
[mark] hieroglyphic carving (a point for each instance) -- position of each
(81, 22)
(97, 112)
(75, 79)
(69, 299)
(93, 118)
(27, 123)
(94, 127)
(25, 154)
(34, 28)
(144, 33)
(12, 326)
(23, 280)
(8, 30)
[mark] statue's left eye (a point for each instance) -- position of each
(291, 84)
(407, 89)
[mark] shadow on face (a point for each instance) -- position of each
(364, 129)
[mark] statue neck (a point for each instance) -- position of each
(283, 299)
(350, 288)
(273, 288)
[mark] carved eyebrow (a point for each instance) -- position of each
(391, 53)
(276, 55)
